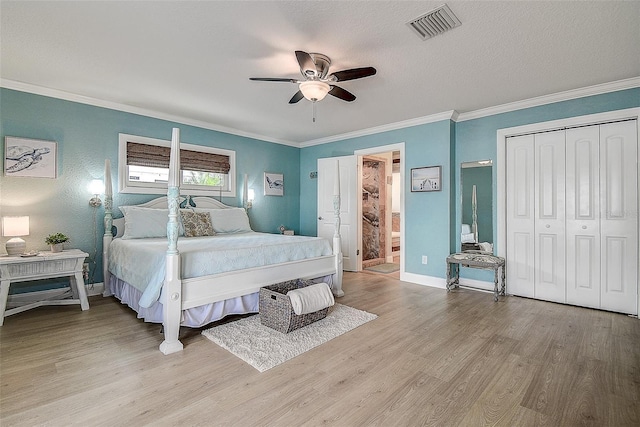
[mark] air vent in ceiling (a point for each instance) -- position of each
(434, 22)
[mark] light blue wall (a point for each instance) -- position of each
(433, 219)
(476, 139)
(86, 135)
(427, 215)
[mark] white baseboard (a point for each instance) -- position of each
(438, 282)
(29, 297)
(419, 279)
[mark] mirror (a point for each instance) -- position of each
(477, 206)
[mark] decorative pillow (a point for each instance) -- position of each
(141, 222)
(196, 224)
(231, 220)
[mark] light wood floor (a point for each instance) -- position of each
(431, 358)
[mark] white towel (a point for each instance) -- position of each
(311, 298)
(486, 246)
(467, 238)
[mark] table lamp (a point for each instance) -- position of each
(15, 226)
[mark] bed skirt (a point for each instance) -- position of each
(195, 317)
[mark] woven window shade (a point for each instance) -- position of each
(158, 157)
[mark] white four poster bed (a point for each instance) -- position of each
(202, 279)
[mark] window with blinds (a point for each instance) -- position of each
(144, 167)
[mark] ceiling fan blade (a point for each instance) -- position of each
(354, 73)
(345, 95)
(297, 97)
(272, 79)
(307, 65)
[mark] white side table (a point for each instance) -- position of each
(46, 265)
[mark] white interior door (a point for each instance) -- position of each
(348, 206)
(520, 215)
(619, 216)
(583, 216)
(549, 258)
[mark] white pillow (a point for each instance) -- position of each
(140, 222)
(232, 220)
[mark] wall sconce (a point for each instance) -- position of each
(250, 197)
(96, 187)
(15, 226)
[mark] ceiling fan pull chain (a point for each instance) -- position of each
(313, 110)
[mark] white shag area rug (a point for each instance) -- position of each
(263, 347)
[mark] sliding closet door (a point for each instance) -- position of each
(549, 259)
(583, 216)
(520, 215)
(619, 216)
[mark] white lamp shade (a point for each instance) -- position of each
(314, 90)
(15, 226)
(96, 186)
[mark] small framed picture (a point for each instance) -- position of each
(273, 184)
(426, 179)
(30, 158)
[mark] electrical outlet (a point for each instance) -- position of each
(424, 259)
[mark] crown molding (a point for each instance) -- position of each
(447, 115)
(68, 96)
(552, 98)
(452, 115)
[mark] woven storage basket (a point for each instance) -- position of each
(276, 311)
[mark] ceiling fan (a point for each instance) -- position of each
(317, 82)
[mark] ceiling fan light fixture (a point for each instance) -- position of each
(314, 90)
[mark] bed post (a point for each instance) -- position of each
(172, 290)
(337, 241)
(108, 224)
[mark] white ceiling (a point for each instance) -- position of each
(193, 60)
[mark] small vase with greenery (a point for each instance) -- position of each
(56, 241)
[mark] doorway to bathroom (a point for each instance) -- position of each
(381, 212)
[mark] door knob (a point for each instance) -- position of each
(584, 227)
(320, 218)
(548, 226)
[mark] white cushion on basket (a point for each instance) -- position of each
(311, 298)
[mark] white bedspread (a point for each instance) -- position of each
(141, 262)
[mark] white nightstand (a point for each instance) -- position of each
(46, 265)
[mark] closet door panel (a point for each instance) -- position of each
(549, 221)
(619, 216)
(583, 216)
(520, 215)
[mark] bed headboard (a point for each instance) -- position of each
(162, 203)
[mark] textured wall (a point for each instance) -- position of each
(86, 135)
(433, 219)
(427, 215)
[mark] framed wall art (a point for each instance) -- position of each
(426, 179)
(30, 158)
(273, 184)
